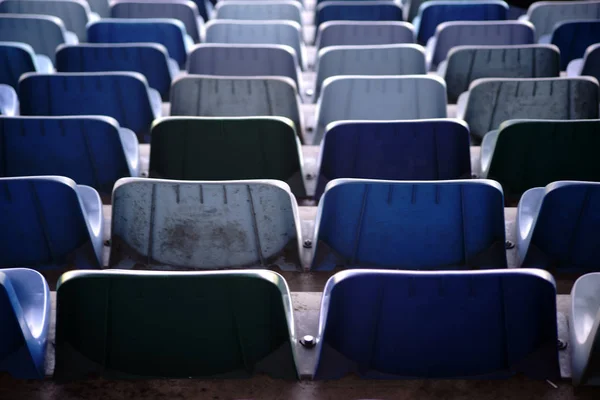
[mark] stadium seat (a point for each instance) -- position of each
(226, 324)
(149, 59)
(573, 38)
(49, 222)
(357, 11)
(100, 7)
(374, 98)
(204, 225)
(284, 10)
(588, 65)
(394, 59)
(42, 32)
(182, 10)
(19, 58)
(220, 149)
(583, 329)
(362, 33)
(487, 33)
(491, 101)
(438, 325)
(286, 33)
(9, 102)
(468, 63)
(125, 96)
(169, 32)
(24, 322)
(415, 225)
(557, 226)
(93, 151)
(219, 96)
(544, 15)
(435, 149)
(433, 13)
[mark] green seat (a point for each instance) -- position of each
(133, 324)
(219, 149)
(524, 154)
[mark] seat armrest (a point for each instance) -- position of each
(131, 148)
(9, 102)
(174, 69)
(461, 105)
(43, 64)
(441, 69)
(488, 146)
(527, 213)
(155, 102)
(71, 38)
(575, 67)
(92, 207)
(429, 52)
(545, 39)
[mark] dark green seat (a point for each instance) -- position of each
(133, 324)
(233, 148)
(524, 154)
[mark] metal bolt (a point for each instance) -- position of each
(107, 243)
(307, 244)
(309, 177)
(308, 341)
(562, 344)
(509, 245)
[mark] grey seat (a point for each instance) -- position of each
(361, 33)
(260, 10)
(544, 15)
(100, 7)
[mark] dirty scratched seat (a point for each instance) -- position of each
(573, 38)
(357, 11)
(259, 10)
(363, 33)
(588, 65)
(544, 15)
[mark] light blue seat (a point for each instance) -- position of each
(125, 96)
(544, 15)
(357, 11)
(9, 102)
(438, 325)
(75, 14)
(573, 38)
(287, 33)
(588, 65)
(557, 227)
(468, 63)
(93, 151)
(42, 32)
(375, 98)
(50, 222)
(362, 33)
(464, 33)
(433, 13)
(417, 225)
(257, 10)
(204, 225)
(395, 59)
(149, 59)
(24, 322)
(169, 32)
(182, 10)
(434, 149)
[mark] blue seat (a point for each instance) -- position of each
(170, 33)
(289, 10)
(417, 225)
(19, 59)
(9, 102)
(125, 96)
(544, 15)
(49, 222)
(435, 149)
(440, 325)
(93, 151)
(357, 11)
(149, 59)
(433, 13)
(188, 12)
(362, 33)
(558, 225)
(588, 65)
(573, 38)
(24, 322)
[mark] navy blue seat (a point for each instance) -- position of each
(434, 149)
(573, 38)
(357, 11)
(588, 65)
(24, 322)
(417, 225)
(92, 151)
(461, 324)
(49, 222)
(19, 59)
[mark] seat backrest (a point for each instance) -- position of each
(168, 32)
(100, 7)
(591, 65)
(395, 59)
(574, 37)
(85, 149)
(435, 149)
(42, 32)
(492, 101)
(361, 33)
(120, 95)
(357, 11)
(149, 59)
(204, 225)
(43, 224)
(379, 98)
(236, 324)
(468, 63)
(182, 10)
(219, 149)
(260, 10)
(19, 59)
(440, 325)
(544, 15)
(389, 224)
(532, 153)
(433, 13)
(490, 33)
